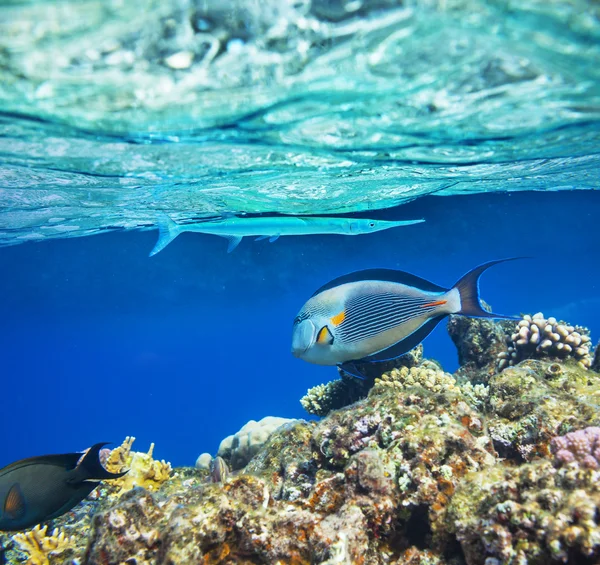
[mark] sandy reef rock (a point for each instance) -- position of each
(239, 448)
(482, 467)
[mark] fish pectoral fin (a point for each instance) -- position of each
(14, 503)
(234, 241)
(273, 238)
(261, 237)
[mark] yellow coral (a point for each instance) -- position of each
(143, 470)
(39, 547)
(425, 376)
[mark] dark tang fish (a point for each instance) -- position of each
(41, 488)
(379, 314)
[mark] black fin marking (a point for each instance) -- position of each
(468, 288)
(390, 275)
(14, 503)
(403, 346)
(91, 468)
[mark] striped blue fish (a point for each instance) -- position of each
(379, 314)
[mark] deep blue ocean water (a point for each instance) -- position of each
(99, 341)
(481, 117)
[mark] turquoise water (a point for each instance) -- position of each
(111, 112)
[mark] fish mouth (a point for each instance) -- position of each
(303, 337)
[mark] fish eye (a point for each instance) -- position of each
(371, 224)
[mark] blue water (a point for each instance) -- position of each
(99, 341)
(481, 117)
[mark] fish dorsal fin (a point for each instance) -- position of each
(66, 461)
(14, 503)
(390, 275)
(404, 346)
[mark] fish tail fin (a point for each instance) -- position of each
(168, 230)
(468, 289)
(90, 467)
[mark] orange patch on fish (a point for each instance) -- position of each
(338, 318)
(436, 303)
(14, 505)
(324, 335)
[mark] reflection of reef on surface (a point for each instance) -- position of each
(425, 468)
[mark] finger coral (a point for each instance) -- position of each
(581, 447)
(538, 337)
(40, 547)
(144, 471)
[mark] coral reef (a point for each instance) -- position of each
(427, 375)
(204, 460)
(581, 447)
(538, 337)
(323, 398)
(534, 514)
(38, 547)
(536, 400)
(478, 342)
(144, 471)
(426, 468)
(596, 361)
(239, 448)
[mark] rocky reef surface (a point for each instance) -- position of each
(497, 463)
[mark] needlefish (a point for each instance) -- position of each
(377, 315)
(40, 488)
(234, 229)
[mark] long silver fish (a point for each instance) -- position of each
(234, 229)
(379, 314)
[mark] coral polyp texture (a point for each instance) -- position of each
(581, 447)
(481, 467)
(538, 337)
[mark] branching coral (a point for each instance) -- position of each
(39, 547)
(538, 337)
(144, 471)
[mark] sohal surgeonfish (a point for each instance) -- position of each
(379, 314)
(41, 488)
